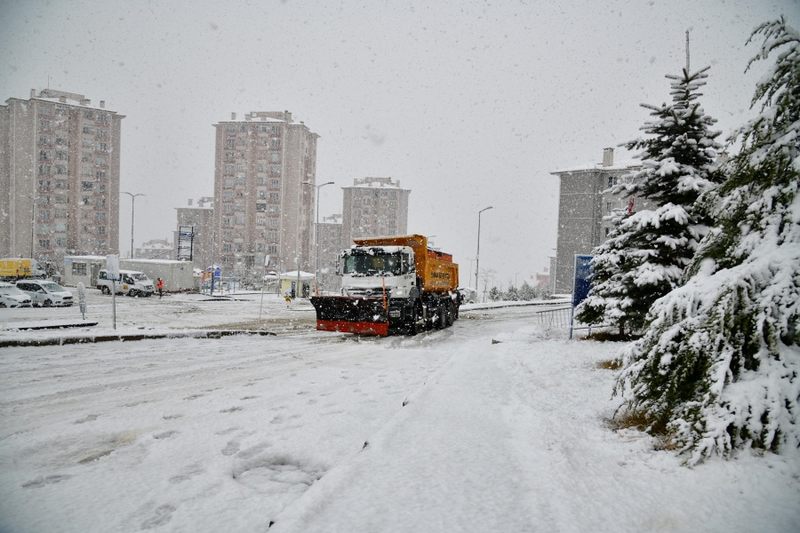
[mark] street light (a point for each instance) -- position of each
(133, 201)
(478, 254)
(316, 239)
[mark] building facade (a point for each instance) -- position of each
(156, 249)
(585, 204)
(59, 177)
(329, 243)
(264, 183)
(200, 219)
(373, 207)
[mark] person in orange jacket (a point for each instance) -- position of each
(160, 287)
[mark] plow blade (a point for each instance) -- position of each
(366, 316)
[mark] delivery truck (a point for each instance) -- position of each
(12, 269)
(391, 285)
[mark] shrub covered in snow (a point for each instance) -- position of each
(719, 366)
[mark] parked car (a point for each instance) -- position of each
(11, 296)
(132, 283)
(45, 292)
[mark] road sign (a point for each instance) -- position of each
(581, 284)
(112, 267)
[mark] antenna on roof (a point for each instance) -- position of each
(687, 50)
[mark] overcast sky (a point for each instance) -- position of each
(468, 104)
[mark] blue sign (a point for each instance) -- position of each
(218, 272)
(582, 282)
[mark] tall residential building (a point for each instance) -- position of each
(329, 244)
(584, 203)
(373, 207)
(200, 219)
(59, 177)
(264, 183)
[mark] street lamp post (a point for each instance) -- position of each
(316, 239)
(478, 253)
(133, 201)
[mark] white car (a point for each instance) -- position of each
(10, 296)
(45, 292)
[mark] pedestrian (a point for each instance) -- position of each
(287, 298)
(160, 287)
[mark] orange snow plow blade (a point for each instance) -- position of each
(365, 316)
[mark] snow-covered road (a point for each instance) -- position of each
(307, 431)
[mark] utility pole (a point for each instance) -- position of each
(316, 240)
(133, 200)
(478, 253)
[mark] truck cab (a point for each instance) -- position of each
(372, 270)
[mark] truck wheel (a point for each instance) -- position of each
(449, 310)
(105, 290)
(416, 323)
(440, 320)
(47, 303)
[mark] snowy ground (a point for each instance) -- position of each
(310, 431)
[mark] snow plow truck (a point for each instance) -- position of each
(391, 285)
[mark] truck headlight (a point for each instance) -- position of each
(394, 313)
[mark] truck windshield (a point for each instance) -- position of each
(373, 264)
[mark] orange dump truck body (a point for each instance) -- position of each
(435, 269)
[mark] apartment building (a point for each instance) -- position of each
(585, 204)
(264, 184)
(59, 177)
(373, 207)
(199, 220)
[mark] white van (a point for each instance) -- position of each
(132, 283)
(45, 293)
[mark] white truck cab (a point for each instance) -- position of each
(131, 283)
(369, 271)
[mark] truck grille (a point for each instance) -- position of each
(368, 292)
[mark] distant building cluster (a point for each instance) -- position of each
(60, 191)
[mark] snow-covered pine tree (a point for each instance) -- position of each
(648, 251)
(719, 367)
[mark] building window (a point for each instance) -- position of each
(78, 269)
(87, 185)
